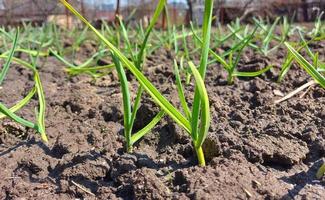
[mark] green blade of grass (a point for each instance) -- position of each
(205, 107)
(207, 19)
(305, 44)
(40, 126)
(216, 56)
(60, 58)
(146, 84)
(169, 29)
(140, 57)
(42, 106)
(227, 37)
(21, 103)
(70, 65)
(94, 57)
(180, 91)
(19, 61)
(28, 51)
(187, 56)
(241, 38)
(48, 43)
(241, 48)
(92, 70)
(126, 38)
(286, 26)
(155, 17)
(126, 101)
(147, 128)
(251, 74)
(7, 64)
(136, 105)
(82, 38)
(269, 35)
(264, 28)
(5, 33)
(311, 70)
(288, 62)
(13, 116)
(318, 25)
(313, 56)
(238, 46)
(41, 96)
(315, 60)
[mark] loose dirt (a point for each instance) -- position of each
(255, 149)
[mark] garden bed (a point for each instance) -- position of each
(255, 149)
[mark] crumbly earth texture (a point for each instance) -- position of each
(255, 149)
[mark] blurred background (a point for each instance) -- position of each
(14, 12)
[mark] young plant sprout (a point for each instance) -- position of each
(138, 60)
(200, 116)
(311, 69)
(286, 28)
(240, 37)
(290, 57)
(86, 67)
(129, 116)
(232, 63)
(5, 69)
(39, 126)
(317, 31)
(268, 36)
(221, 39)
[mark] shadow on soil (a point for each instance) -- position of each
(303, 178)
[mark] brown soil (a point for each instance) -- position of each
(255, 150)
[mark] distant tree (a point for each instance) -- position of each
(304, 6)
(190, 10)
(117, 11)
